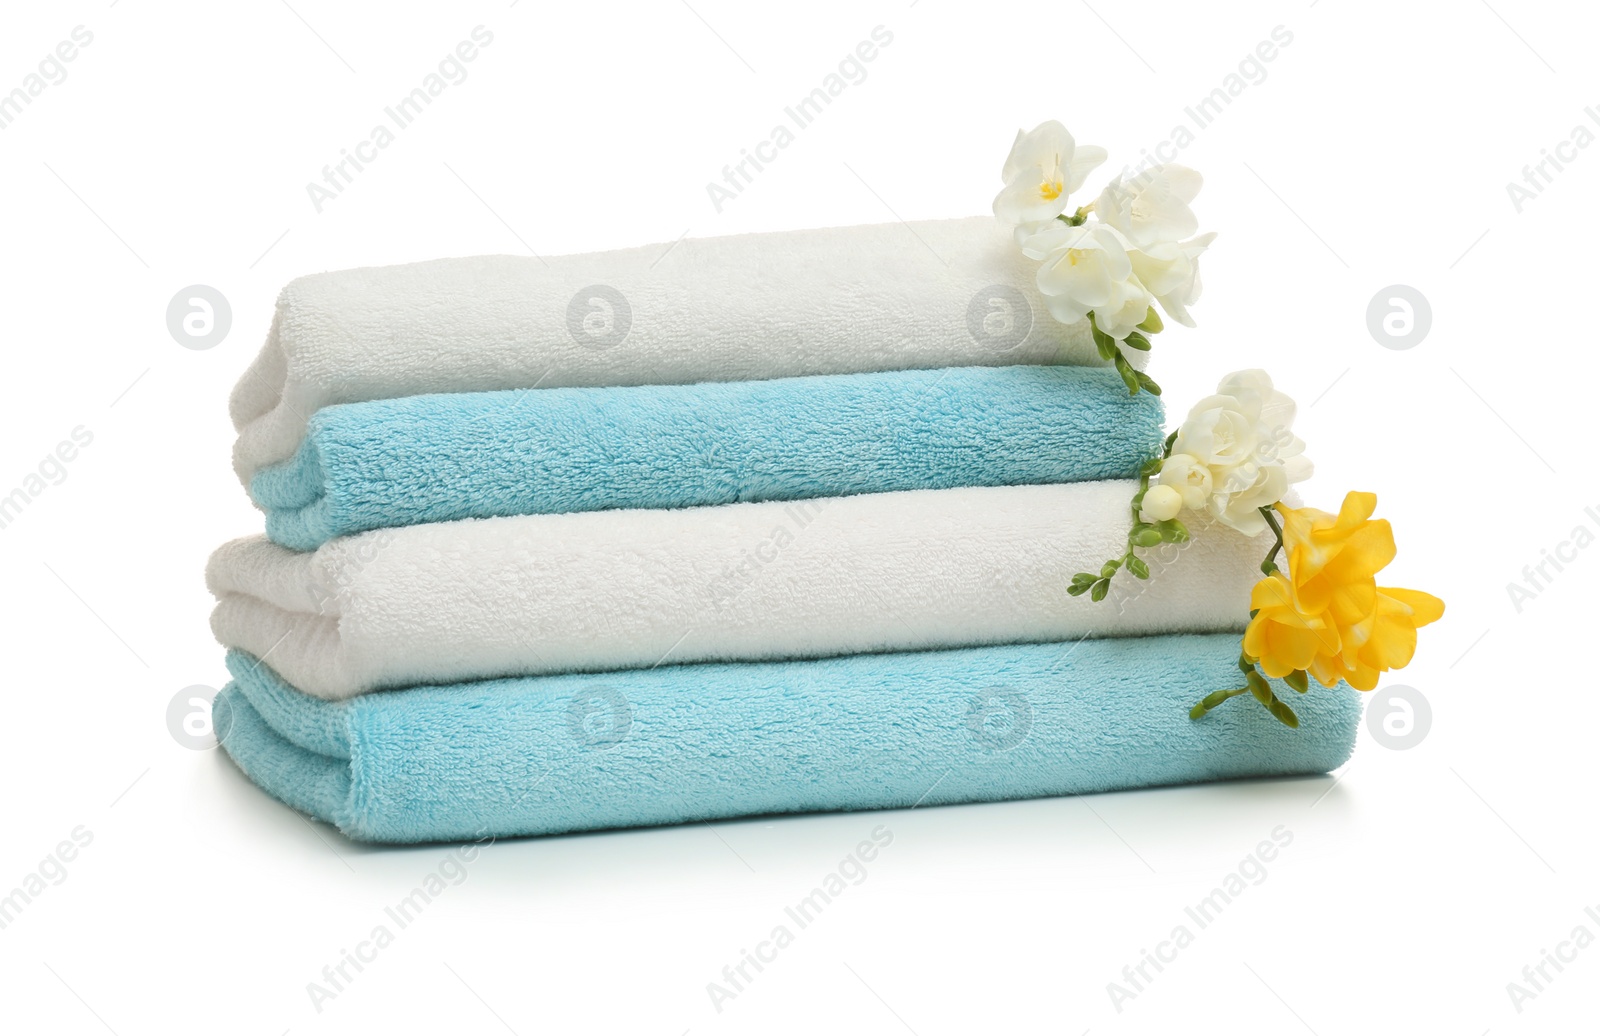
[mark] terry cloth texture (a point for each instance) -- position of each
(605, 590)
(544, 755)
(896, 296)
(439, 458)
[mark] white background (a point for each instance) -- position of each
(1376, 151)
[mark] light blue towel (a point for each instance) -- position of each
(548, 451)
(544, 755)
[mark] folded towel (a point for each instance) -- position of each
(897, 296)
(543, 755)
(623, 589)
(481, 454)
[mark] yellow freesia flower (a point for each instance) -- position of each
(1324, 612)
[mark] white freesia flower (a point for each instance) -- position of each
(1170, 271)
(1275, 419)
(1044, 167)
(1088, 268)
(1242, 437)
(1244, 490)
(1189, 478)
(1152, 207)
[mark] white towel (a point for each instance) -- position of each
(895, 296)
(629, 589)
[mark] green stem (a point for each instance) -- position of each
(1257, 687)
(1262, 692)
(1215, 698)
(1140, 534)
(1255, 684)
(1077, 219)
(1270, 565)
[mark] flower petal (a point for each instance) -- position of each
(1425, 607)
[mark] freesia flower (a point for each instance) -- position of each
(1242, 436)
(1238, 499)
(1044, 167)
(1087, 268)
(1153, 207)
(1188, 477)
(1326, 615)
(1170, 270)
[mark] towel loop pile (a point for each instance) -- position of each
(796, 538)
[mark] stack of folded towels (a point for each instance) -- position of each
(749, 525)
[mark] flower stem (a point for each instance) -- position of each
(1140, 534)
(1262, 691)
(1270, 565)
(1110, 350)
(1255, 684)
(1215, 698)
(1257, 687)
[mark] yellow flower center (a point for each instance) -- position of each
(1051, 188)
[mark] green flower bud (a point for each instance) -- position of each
(1130, 377)
(1104, 343)
(1145, 536)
